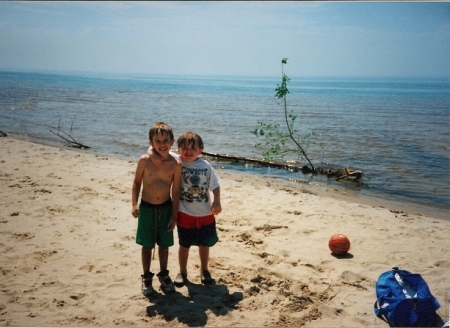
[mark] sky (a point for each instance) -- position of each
(320, 39)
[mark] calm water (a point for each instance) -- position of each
(396, 131)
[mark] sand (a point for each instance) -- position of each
(68, 255)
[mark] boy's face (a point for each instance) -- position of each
(190, 153)
(162, 143)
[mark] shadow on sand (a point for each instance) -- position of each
(191, 310)
(342, 256)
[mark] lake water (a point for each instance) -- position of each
(396, 131)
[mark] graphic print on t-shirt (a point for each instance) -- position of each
(194, 186)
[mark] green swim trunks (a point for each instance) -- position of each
(152, 225)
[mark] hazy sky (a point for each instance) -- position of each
(228, 38)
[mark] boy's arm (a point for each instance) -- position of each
(216, 207)
(155, 157)
(136, 189)
(176, 193)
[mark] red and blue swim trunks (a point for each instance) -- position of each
(196, 230)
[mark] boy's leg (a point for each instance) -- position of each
(181, 278)
(167, 285)
(163, 253)
(165, 238)
(204, 259)
(146, 255)
(183, 255)
(147, 288)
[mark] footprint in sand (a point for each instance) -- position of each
(23, 236)
(118, 246)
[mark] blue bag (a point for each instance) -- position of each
(404, 300)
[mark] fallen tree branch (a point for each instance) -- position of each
(339, 174)
(68, 136)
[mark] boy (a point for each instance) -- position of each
(196, 223)
(157, 211)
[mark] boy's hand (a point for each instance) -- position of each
(155, 157)
(135, 211)
(216, 208)
(171, 224)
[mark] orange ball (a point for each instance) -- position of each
(339, 244)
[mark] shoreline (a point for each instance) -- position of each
(69, 256)
(320, 189)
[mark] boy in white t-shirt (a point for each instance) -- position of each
(196, 224)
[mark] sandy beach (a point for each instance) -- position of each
(69, 257)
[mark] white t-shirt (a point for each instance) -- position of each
(198, 180)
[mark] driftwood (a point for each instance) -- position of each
(67, 136)
(344, 173)
(339, 174)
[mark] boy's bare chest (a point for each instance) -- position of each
(162, 173)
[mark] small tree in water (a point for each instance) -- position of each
(277, 140)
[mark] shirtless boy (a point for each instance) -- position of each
(160, 177)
